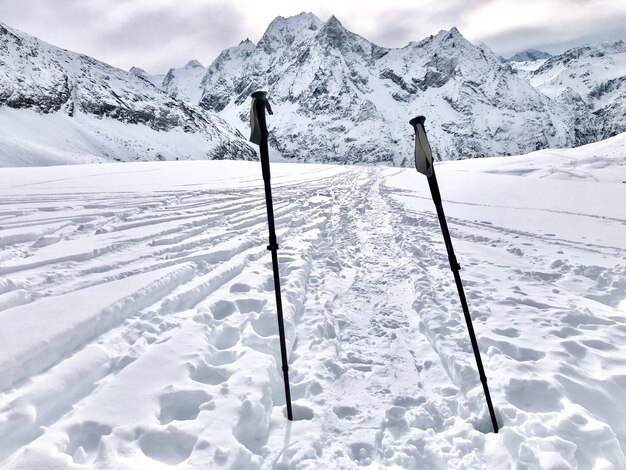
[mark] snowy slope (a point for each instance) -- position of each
(525, 69)
(58, 84)
(138, 327)
(339, 98)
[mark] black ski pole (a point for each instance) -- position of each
(259, 137)
(424, 165)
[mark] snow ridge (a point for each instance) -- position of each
(590, 82)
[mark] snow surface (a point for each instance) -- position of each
(29, 138)
(138, 329)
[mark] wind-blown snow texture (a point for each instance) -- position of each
(138, 328)
(76, 104)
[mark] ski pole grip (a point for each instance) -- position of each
(423, 152)
(258, 123)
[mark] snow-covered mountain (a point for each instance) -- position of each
(62, 107)
(529, 55)
(339, 98)
(591, 81)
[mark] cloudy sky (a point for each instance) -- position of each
(159, 34)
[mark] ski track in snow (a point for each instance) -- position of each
(153, 339)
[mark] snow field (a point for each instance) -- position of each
(137, 316)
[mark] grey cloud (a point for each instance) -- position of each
(397, 26)
(547, 39)
(156, 37)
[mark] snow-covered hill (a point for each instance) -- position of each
(66, 95)
(138, 326)
(339, 98)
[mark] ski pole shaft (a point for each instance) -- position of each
(424, 165)
(261, 104)
(454, 265)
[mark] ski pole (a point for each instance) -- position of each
(424, 165)
(259, 137)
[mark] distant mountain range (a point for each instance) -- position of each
(337, 97)
(529, 55)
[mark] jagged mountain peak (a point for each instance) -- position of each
(333, 21)
(454, 32)
(452, 36)
(138, 71)
(246, 42)
(245, 46)
(334, 29)
(284, 31)
(334, 35)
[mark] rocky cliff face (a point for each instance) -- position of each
(37, 76)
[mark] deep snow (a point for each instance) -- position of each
(138, 330)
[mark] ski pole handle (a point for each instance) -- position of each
(258, 125)
(423, 152)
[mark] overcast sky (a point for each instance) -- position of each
(159, 34)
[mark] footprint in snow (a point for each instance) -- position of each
(171, 446)
(181, 405)
(210, 375)
(84, 441)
